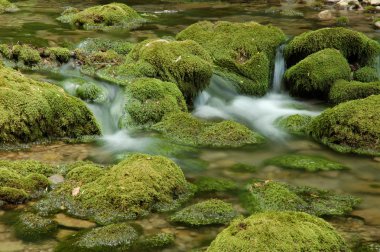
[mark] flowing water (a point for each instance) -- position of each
(36, 23)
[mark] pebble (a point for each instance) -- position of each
(70, 222)
(325, 15)
(56, 179)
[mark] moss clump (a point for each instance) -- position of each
(91, 45)
(59, 54)
(91, 62)
(275, 196)
(354, 46)
(103, 17)
(240, 167)
(32, 110)
(90, 92)
(366, 74)
(209, 184)
(114, 237)
(185, 63)
(279, 231)
(148, 100)
(184, 128)
(352, 126)
(343, 91)
(12, 195)
(132, 188)
(26, 54)
(6, 6)
(32, 227)
(155, 241)
(243, 52)
(295, 124)
(313, 76)
(342, 21)
(208, 212)
(306, 163)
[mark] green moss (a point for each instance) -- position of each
(6, 6)
(342, 21)
(132, 188)
(60, 54)
(366, 74)
(208, 212)
(306, 163)
(275, 196)
(243, 52)
(91, 92)
(26, 54)
(155, 241)
(295, 124)
(32, 110)
(352, 126)
(32, 227)
(12, 195)
(313, 76)
(6, 51)
(25, 167)
(114, 237)
(148, 100)
(279, 231)
(240, 167)
(184, 128)
(91, 45)
(103, 17)
(354, 46)
(343, 91)
(209, 184)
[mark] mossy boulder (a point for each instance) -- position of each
(343, 90)
(59, 54)
(366, 74)
(114, 237)
(184, 128)
(32, 227)
(352, 126)
(148, 100)
(305, 162)
(132, 188)
(154, 241)
(103, 17)
(33, 110)
(313, 76)
(354, 46)
(6, 6)
(22, 180)
(26, 54)
(279, 231)
(209, 212)
(264, 196)
(243, 52)
(185, 63)
(295, 124)
(214, 185)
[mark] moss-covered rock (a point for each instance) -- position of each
(243, 52)
(130, 189)
(241, 167)
(279, 231)
(208, 212)
(12, 195)
(32, 227)
(91, 92)
(103, 17)
(352, 126)
(91, 45)
(313, 76)
(209, 184)
(59, 54)
(306, 163)
(184, 128)
(32, 110)
(354, 46)
(26, 54)
(154, 242)
(6, 6)
(343, 91)
(185, 63)
(266, 196)
(114, 237)
(294, 124)
(366, 74)
(148, 100)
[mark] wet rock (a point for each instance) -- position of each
(377, 24)
(32, 227)
(64, 233)
(325, 15)
(56, 179)
(70, 222)
(370, 215)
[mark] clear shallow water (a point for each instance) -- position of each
(36, 23)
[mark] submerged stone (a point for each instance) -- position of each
(313, 76)
(155, 241)
(149, 100)
(32, 227)
(343, 90)
(130, 189)
(184, 128)
(33, 110)
(276, 196)
(295, 124)
(352, 126)
(306, 163)
(241, 167)
(279, 231)
(243, 52)
(354, 46)
(103, 17)
(209, 184)
(208, 212)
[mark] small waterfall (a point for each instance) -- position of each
(279, 69)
